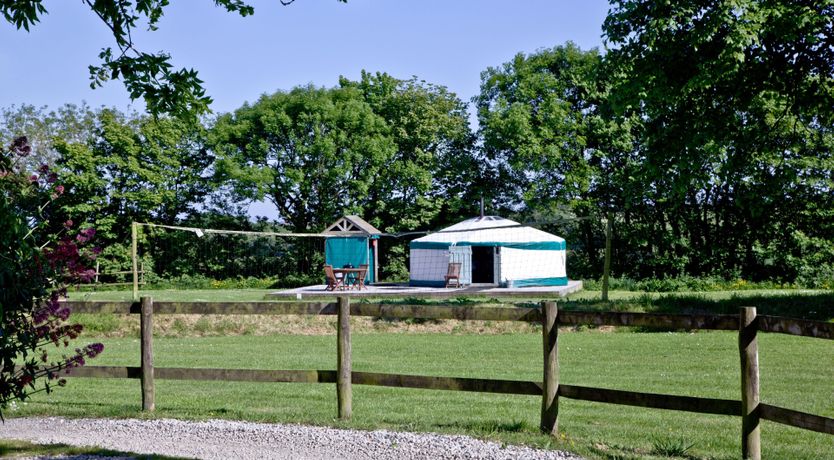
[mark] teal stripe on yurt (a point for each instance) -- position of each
(540, 245)
(429, 245)
(558, 281)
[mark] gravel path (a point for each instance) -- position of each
(224, 439)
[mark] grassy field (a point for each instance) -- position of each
(796, 373)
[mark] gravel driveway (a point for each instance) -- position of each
(224, 439)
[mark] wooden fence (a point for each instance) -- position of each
(96, 281)
(747, 323)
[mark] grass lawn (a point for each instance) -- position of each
(796, 373)
(23, 449)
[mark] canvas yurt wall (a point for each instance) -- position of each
(492, 250)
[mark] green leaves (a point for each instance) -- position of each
(22, 13)
(151, 77)
(380, 147)
(133, 168)
(313, 152)
(430, 128)
(536, 117)
(735, 102)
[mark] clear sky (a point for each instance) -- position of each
(446, 42)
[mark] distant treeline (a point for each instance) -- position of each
(705, 133)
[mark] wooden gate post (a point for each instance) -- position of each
(344, 391)
(550, 386)
(749, 352)
(146, 329)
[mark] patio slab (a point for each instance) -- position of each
(404, 290)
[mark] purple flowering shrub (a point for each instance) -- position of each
(38, 260)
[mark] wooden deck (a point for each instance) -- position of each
(405, 291)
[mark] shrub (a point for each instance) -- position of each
(817, 277)
(39, 258)
(203, 282)
(671, 447)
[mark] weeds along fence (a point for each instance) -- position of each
(747, 323)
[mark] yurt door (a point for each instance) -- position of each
(483, 264)
(463, 255)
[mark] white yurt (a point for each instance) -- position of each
(492, 250)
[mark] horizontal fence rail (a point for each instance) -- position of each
(517, 387)
(797, 419)
(747, 324)
(653, 400)
(469, 312)
(801, 327)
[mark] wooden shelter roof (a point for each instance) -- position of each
(351, 225)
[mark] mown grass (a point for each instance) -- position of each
(796, 373)
(24, 449)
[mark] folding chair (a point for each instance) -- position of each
(453, 273)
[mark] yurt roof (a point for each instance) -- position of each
(488, 229)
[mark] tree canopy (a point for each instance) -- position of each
(385, 148)
(429, 127)
(313, 152)
(737, 104)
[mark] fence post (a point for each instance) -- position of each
(748, 350)
(134, 252)
(344, 392)
(606, 266)
(146, 329)
(550, 387)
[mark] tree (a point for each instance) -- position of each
(42, 127)
(150, 76)
(132, 169)
(313, 152)
(434, 149)
(534, 114)
(737, 100)
(556, 149)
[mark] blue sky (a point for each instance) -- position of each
(447, 42)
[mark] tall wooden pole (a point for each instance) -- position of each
(376, 260)
(550, 387)
(751, 447)
(606, 269)
(146, 330)
(134, 227)
(344, 391)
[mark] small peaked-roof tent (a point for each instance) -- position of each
(492, 250)
(350, 241)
